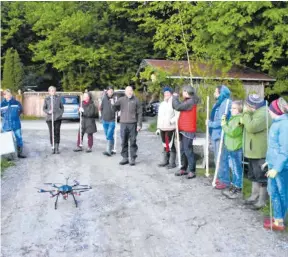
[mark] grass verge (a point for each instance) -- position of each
(5, 164)
(153, 126)
(26, 117)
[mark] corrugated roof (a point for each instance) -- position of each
(201, 70)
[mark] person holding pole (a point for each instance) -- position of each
(10, 111)
(277, 162)
(88, 123)
(130, 124)
(187, 126)
(109, 119)
(223, 104)
(255, 115)
(54, 109)
(166, 129)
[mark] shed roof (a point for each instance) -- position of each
(180, 69)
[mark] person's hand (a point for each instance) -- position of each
(175, 94)
(246, 108)
(263, 166)
(81, 109)
(157, 132)
(138, 128)
(223, 120)
(50, 112)
(112, 101)
(272, 173)
(206, 122)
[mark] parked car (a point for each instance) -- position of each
(71, 105)
(151, 109)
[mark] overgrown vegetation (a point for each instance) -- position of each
(5, 164)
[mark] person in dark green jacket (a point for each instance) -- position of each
(233, 136)
(255, 117)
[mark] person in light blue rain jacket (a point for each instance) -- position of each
(277, 162)
(11, 110)
(222, 95)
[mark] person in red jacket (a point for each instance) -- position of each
(187, 124)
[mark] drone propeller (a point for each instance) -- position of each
(84, 188)
(40, 190)
(51, 184)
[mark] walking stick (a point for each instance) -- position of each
(220, 148)
(267, 128)
(115, 130)
(178, 143)
(80, 125)
(207, 140)
(52, 117)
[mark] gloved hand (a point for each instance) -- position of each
(223, 120)
(81, 109)
(112, 101)
(263, 166)
(157, 133)
(272, 173)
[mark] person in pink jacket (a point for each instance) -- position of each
(166, 125)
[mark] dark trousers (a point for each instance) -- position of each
(90, 139)
(128, 132)
(187, 154)
(168, 140)
(255, 173)
(57, 125)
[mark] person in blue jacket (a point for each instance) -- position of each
(277, 162)
(222, 95)
(11, 110)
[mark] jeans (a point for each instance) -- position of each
(278, 191)
(223, 172)
(57, 126)
(109, 127)
(128, 132)
(187, 154)
(236, 167)
(18, 135)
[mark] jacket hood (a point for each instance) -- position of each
(224, 93)
(282, 117)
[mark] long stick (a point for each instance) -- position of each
(220, 149)
(115, 130)
(267, 128)
(187, 52)
(207, 140)
(52, 117)
(178, 144)
(80, 125)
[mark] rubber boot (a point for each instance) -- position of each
(172, 163)
(57, 148)
(184, 165)
(108, 148)
(254, 194)
(165, 161)
(124, 161)
(52, 149)
(20, 152)
(263, 196)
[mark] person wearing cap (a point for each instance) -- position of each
(187, 124)
(222, 95)
(255, 115)
(166, 125)
(11, 110)
(277, 162)
(130, 124)
(58, 110)
(108, 119)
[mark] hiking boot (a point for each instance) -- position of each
(221, 186)
(108, 151)
(277, 225)
(254, 194)
(20, 152)
(57, 148)
(124, 161)
(52, 150)
(191, 175)
(235, 193)
(227, 191)
(78, 149)
(181, 173)
(263, 196)
(165, 161)
(172, 160)
(89, 150)
(132, 162)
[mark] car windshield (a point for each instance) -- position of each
(70, 100)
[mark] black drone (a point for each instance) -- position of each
(65, 190)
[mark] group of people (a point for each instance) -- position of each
(242, 126)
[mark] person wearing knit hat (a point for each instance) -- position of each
(166, 125)
(254, 119)
(277, 162)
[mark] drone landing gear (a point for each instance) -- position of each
(75, 201)
(56, 201)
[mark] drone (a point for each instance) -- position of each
(65, 190)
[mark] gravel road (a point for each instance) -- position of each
(130, 212)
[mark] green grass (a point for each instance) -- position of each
(27, 117)
(153, 126)
(5, 164)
